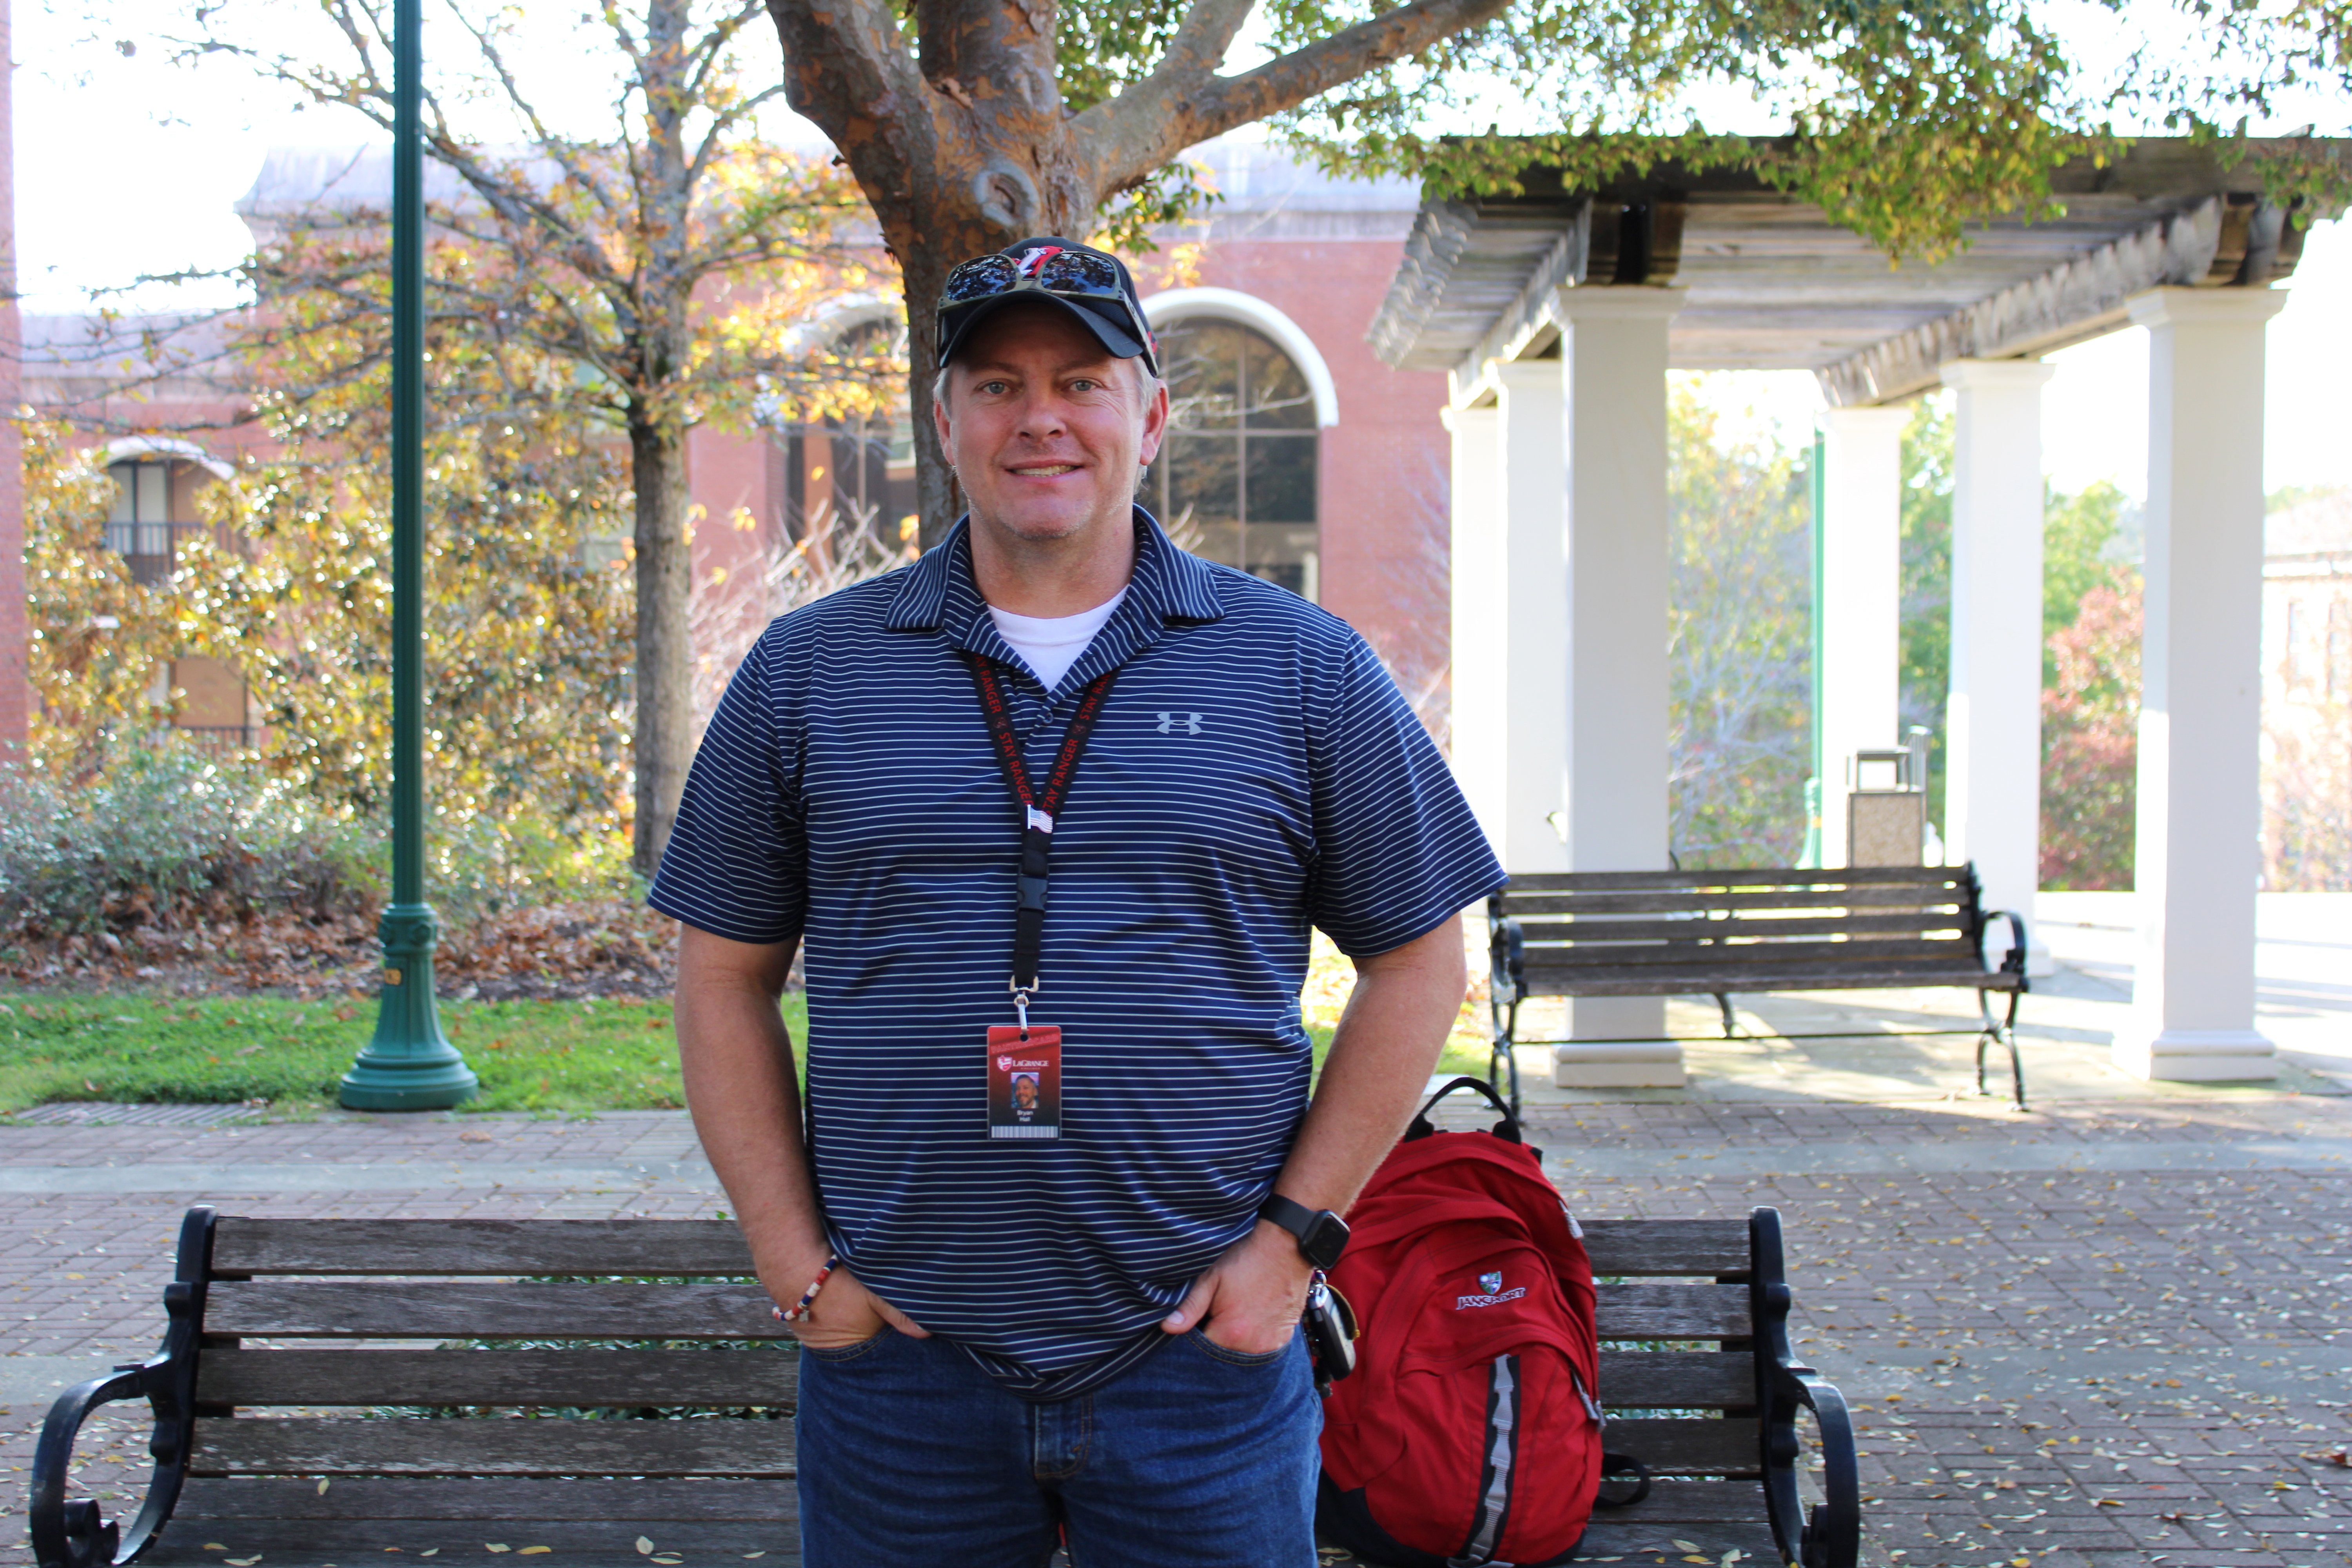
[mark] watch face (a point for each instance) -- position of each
(1324, 1240)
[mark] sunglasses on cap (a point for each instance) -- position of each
(1067, 273)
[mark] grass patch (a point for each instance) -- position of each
(575, 1056)
(568, 1055)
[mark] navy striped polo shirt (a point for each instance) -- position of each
(1254, 773)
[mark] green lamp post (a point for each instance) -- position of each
(409, 1065)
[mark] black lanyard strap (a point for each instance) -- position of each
(1038, 810)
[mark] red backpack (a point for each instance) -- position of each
(1470, 1431)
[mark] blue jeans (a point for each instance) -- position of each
(1197, 1456)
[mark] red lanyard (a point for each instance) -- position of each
(1037, 811)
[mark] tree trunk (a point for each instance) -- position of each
(664, 679)
(961, 157)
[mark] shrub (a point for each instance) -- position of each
(166, 835)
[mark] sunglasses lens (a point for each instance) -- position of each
(979, 279)
(1079, 273)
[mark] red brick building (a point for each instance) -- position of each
(1296, 455)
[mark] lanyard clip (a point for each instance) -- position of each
(1021, 996)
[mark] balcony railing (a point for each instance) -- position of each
(149, 547)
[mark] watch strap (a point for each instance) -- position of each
(1291, 1215)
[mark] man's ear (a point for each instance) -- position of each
(940, 423)
(1155, 420)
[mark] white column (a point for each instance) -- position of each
(1993, 774)
(1534, 682)
(1478, 589)
(1861, 599)
(2199, 854)
(1614, 357)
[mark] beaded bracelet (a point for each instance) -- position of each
(800, 1309)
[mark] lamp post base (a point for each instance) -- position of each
(409, 1065)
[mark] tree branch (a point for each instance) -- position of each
(1150, 122)
(847, 70)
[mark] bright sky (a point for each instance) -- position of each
(149, 190)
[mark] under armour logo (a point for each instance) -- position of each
(1188, 722)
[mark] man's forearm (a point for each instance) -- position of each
(737, 1060)
(1388, 1041)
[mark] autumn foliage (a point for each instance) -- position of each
(2090, 740)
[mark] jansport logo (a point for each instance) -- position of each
(1493, 1294)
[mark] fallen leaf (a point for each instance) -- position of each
(2104, 1502)
(214, 1546)
(430, 1551)
(644, 1547)
(496, 1546)
(749, 1555)
(1685, 1545)
(533, 1551)
(243, 1561)
(322, 1488)
(2004, 1485)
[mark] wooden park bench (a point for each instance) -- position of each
(1717, 933)
(307, 1452)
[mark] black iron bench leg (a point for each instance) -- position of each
(1730, 1025)
(2001, 1032)
(1506, 987)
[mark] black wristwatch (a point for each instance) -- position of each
(1322, 1235)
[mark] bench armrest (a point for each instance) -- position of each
(2014, 964)
(1831, 1537)
(74, 1532)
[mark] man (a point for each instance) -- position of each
(1058, 799)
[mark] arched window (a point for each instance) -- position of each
(1235, 480)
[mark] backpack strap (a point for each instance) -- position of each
(1614, 1465)
(1498, 1468)
(1508, 1129)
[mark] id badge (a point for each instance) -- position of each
(1024, 1082)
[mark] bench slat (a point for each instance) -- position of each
(1520, 906)
(1677, 1380)
(243, 1246)
(532, 1501)
(589, 1378)
(1682, 934)
(304, 1446)
(310, 1544)
(1672, 1311)
(1723, 1446)
(1738, 877)
(1949, 953)
(1706, 1247)
(344, 1308)
(1660, 980)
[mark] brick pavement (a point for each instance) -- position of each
(2107, 1333)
